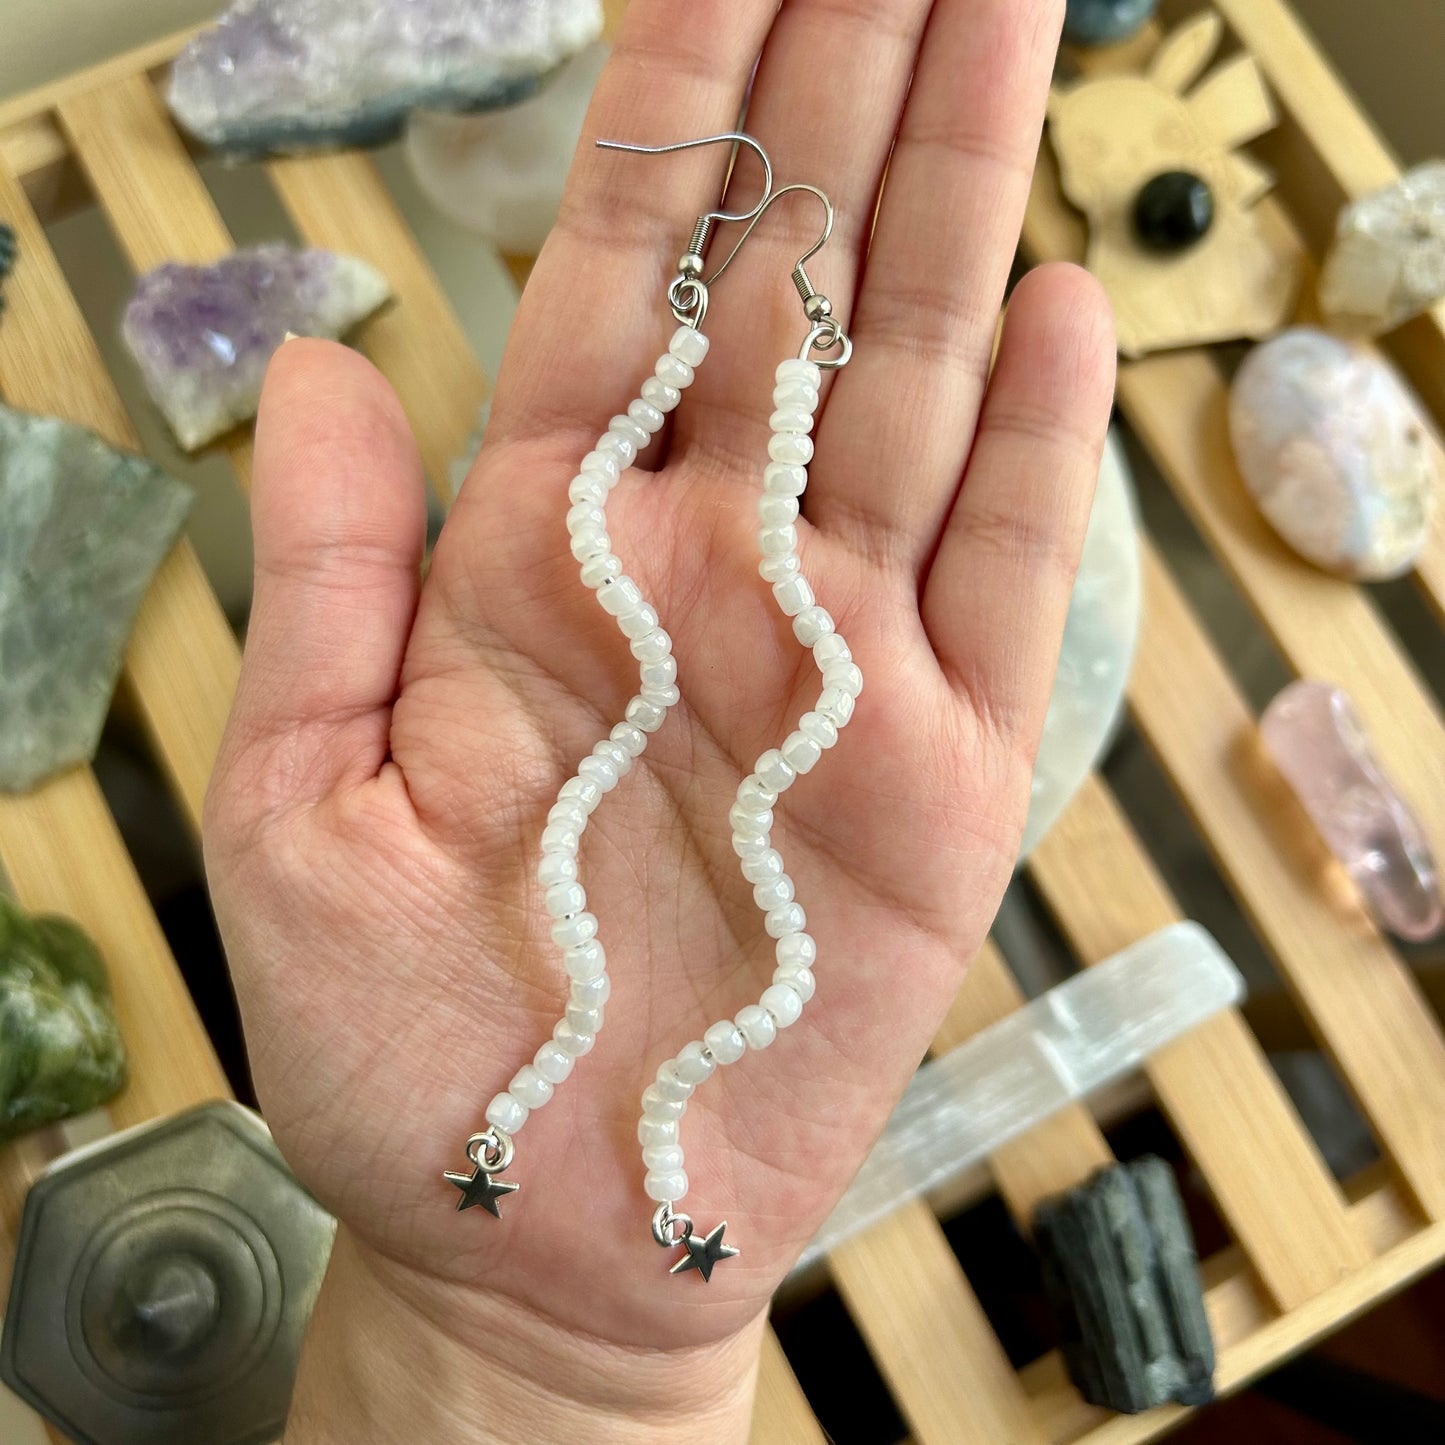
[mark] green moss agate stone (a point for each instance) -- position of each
(60, 1046)
(82, 529)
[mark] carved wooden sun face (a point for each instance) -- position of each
(1116, 134)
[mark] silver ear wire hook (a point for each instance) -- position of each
(826, 331)
(688, 292)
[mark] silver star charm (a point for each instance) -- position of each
(482, 1188)
(703, 1252)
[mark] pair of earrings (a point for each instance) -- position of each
(574, 929)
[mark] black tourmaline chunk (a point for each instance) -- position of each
(1173, 211)
(1121, 1273)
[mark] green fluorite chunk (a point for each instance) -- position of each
(82, 529)
(60, 1046)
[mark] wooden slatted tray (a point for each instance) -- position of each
(1306, 1253)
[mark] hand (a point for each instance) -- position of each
(372, 833)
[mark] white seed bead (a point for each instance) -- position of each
(529, 1087)
(559, 838)
(645, 716)
(599, 771)
(666, 1188)
(580, 790)
(763, 867)
(585, 517)
(555, 1063)
(619, 757)
(662, 673)
(663, 1158)
(654, 1106)
(631, 739)
(792, 420)
(777, 511)
(590, 993)
(796, 393)
(585, 960)
(689, 344)
(772, 771)
(694, 1063)
(845, 676)
(556, 868)
(587, 487)
(640, 623)
(801, 752)
(785, 479)
(660, 695)
(568, 813)
(774, 893)
(749, 845)
(647, 416)
(571, 1042)
(585, 1018)
(507, 1114)
(782, 1003)
(754, 796)
(810, 625)
(562, 899)
(820, 729)
(785, 447)
(835, 705)
(569, 932)
(797, 978)
(596, 570)
(796, 950)
(670, 1084)
(794, 369)
(652, 646)
(633, 431)
(831, 648)
(603, 464)
(658, 393)
(773, 541)
(794, 595)
(756, 1025)
(780, 568)
(656, 1131)
(588, 543)
(621, 597)
(790, 918)
(753, 825)
(614, 444)
(673, 371)
(725, 1042)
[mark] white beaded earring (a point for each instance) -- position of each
(574, 929)
(790, 449)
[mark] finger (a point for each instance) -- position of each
(338, 510)
(947, 229)
(998, 589)
(829, 91)
(594, 317)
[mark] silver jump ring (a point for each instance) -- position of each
(827, 334)
(491, 1152)
(688, 298)
(664, 1221)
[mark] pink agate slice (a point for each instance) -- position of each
(1316, 739)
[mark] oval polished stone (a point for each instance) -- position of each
(1105, 22)
(1330, 444)
(1173, 211)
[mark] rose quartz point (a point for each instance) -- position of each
(1317, 741)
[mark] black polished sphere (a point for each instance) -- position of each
(1173, 211)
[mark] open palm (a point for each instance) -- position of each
(373, 828)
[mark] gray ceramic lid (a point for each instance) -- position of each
(162, 1283)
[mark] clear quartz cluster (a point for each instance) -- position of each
(293, 75)
(1387, 263)
(202, 335)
